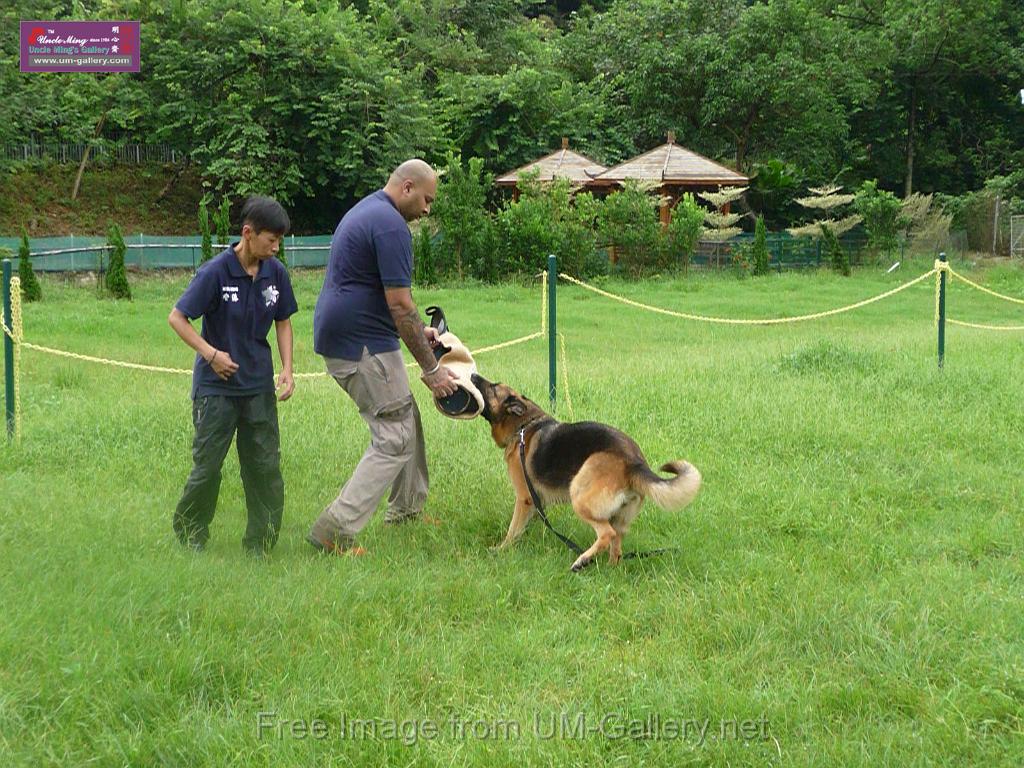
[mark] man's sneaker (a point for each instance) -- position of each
(335, 547)
(398, 518)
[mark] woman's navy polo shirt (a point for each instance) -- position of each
(237, 312)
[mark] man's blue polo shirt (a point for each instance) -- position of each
(371, 250)
(237, 312)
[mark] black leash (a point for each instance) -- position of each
(539, 506)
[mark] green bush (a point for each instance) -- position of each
(282, 256)
(222, 220)
(629, 223)
(424, 257)
(460, 211)
(684, 231)
(116, 279)
(546, 220)
(881, 212)
(834, 253)
(206, 252)
(759, 255)
(31, 290)
(742, 259)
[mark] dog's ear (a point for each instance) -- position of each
(516, 407)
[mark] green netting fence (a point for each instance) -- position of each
(83, 253)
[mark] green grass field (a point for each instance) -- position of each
(847, 588)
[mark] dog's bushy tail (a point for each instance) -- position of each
(670, 493)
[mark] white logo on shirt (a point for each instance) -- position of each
(270, 294)
(229, 293)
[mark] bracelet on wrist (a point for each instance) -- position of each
(433, 370)
(214, 356)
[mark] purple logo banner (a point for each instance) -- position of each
(80, 46)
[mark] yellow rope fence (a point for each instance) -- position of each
(980, 326)
(752, 321)
(940, 267)
(17, 337)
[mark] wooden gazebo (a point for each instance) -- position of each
(675, 170)
(561, 164)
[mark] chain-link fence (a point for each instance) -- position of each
(72, 153)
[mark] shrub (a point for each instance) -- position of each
(834, 253)
(759, 255)
(30, 288)
(460, 211)
(684, 231)
(742, 259)
(117, 280)
(881, 212)
(222, 220)
(206, 252)
(628, 222)
(548, 219)
(424, 257)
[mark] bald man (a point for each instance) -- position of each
(364, 308)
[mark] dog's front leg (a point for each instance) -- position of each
(520, 517)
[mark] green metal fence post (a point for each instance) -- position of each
(8, 351)
(942, 311)
(552, 339)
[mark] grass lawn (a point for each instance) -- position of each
(846, 590)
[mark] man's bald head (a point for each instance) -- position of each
(412, 187)
(415, 170)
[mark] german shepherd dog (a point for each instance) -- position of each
(597, 468)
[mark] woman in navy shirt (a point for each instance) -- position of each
(238, 294)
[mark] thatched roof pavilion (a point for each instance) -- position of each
(675, 170)
(561, 164)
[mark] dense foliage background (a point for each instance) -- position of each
(318, 99)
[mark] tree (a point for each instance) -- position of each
(30, 288)
(925, 228)
(424, 261)
(313, 100)
(826, 199)
(720, 225)
(946, 75)
(507, 117)
(779, 84)
(116, 279)
(773, 185)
